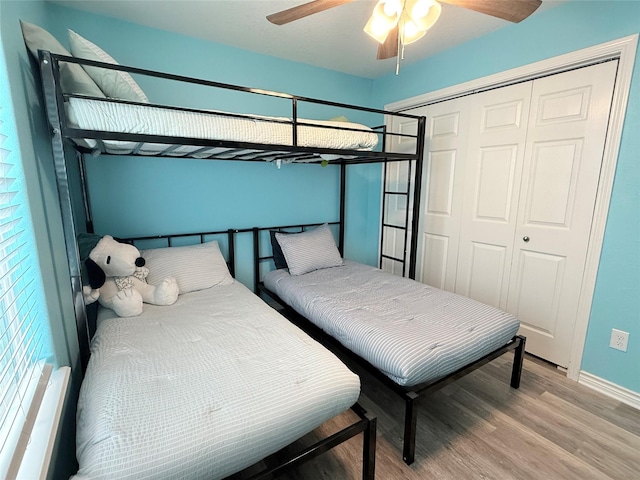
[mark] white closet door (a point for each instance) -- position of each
(444, 157)
(491, 188)
(565, 142)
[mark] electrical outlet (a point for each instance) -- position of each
(619, 340)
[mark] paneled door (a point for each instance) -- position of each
(510, 186)
(490, 191)
(565, 143)
(445, 155)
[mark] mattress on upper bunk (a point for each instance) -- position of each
(410, 331)
(127, 118)
(202, 388)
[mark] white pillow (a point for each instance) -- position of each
(195, 267)
(114, 83)
(310, 250)
(73, 78)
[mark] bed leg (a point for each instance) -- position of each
(410, 423)
(369, 449)
(518, 359)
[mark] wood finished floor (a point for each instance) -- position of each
(479, 428)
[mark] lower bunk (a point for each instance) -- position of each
(413, 337)
(213, 386)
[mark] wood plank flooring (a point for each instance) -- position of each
(480, 428)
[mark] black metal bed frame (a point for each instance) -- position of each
(62, 135)
(278, 462)
(367, 425)
(410, 395)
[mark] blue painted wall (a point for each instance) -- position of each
(135, 196)
(560, 30)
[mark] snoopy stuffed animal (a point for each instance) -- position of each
(117, 279)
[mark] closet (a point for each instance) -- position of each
(508, 194)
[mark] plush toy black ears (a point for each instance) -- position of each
(95, 273)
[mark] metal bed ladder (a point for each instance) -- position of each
(387, 196)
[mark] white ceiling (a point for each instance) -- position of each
(332, 39)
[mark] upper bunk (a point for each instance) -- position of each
(115, 126)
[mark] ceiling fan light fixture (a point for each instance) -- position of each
(391, 8)
(409, 31)
(384, 17)
(424, 13)
(377, 29)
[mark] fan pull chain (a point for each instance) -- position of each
(400, 45)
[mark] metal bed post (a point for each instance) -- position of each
(384, 197)
(85, 192)
(518, 359)
(231, 238)
(415, 220)
(256, 261)
(410, 425)
(406, 220)
(382, 214)
(368, 443)
(294, 125)
(343, 195)
(53, 98)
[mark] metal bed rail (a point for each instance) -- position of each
(279, 462)
(367, 425)
(50, 69)
(410, 395)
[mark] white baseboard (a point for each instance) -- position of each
(612, 390)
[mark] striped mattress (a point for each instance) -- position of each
(202, 389)
(125, 118)
(410, 331)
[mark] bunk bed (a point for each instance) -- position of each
(70, 116)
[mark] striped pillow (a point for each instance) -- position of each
(195, 267)
(309, 251)
(114, 83)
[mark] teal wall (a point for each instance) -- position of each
(246, 194)
(561, 30)
(135, 196)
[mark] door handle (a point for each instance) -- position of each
(525, 238)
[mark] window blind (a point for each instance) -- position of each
(24, 327)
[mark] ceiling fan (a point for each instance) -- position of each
(395, 23)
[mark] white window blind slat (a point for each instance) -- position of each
(21, 361)
(19, 390)
(8, 226)
(25, 337)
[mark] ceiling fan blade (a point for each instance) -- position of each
(513, 10)
(304, 10)
(389, 48)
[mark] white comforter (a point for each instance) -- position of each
(125, 118)
(202, 389)
(412, 332)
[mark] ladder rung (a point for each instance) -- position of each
(392, 258)
(396, 193)
(398, 227)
